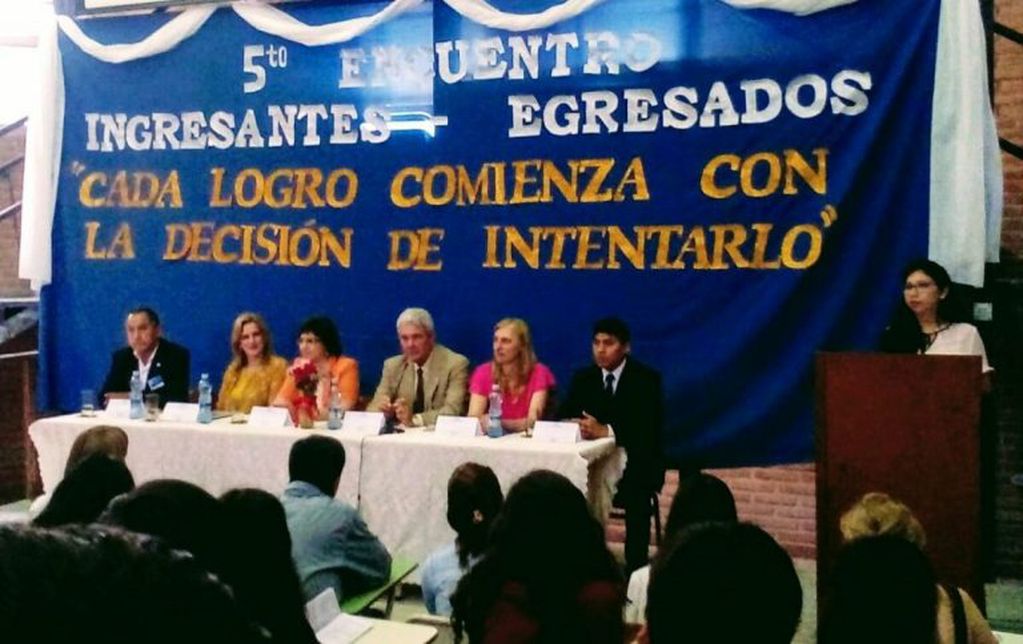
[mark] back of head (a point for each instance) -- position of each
(546, 529)
(882, 591)
(185, 516)
(101, 585)
(258, 564)
(474, 499)
(877, 514)
(700, 498)
(101, 439)
(545, 541)
(724, 583)
(317, 460)
(86, 491)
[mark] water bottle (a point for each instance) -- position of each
(334, 413)
(137, 412)
(205, 399)
(494, 429)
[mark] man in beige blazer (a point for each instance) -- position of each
(426, 380)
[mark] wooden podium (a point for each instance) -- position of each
(907, 425)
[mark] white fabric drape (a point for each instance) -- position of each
(966, 172)
(167, 37)
(42, 161)
(481, 12)
(273, 21)
(798, 7)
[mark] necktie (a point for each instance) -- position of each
(418, 404)
(609, 385)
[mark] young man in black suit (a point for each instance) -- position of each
(163, 365)
(618, 394)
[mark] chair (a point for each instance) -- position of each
(400, 569)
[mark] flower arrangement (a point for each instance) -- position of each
(307, 379)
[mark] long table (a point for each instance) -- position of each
(217, 457)
(404, 480)
(398, 482)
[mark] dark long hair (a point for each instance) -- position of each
(474, 499)
(85, 491)
(701, 497)
(184, 515)
(546, 542)
(259, 568)
(883, 590)
(904, 334)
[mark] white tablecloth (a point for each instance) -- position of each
(404, 481)
(217, 457)
(399, 482)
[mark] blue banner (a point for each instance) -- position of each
(741, 186)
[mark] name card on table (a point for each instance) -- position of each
(363, 423)
(179, 412)
(269, 417)
(457, 426)
(118, 408)
(549, 431)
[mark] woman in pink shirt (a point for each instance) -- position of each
(525, 383)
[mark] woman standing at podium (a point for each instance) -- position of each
(255, 373)
(929, 321)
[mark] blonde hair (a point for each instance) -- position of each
(101, 439)
(239, 359)
(526, 359)
(236, 338)
(877, 514)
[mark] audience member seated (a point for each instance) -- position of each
(162, 364)
(319, 344)
(878, 514)
(526, 384)
(700, 498)
(424, 381)
(101, 439)
(883, 591)
(86, 491)
(546, 575)
(259, 566)
(182, 514)
(474, 499)
(726, 583)
(330, 543)
(931, 319)
(256, 373)
(92, 584)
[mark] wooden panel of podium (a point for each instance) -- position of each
(907, 425)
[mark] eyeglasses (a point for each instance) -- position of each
(917, 286)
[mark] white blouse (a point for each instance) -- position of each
(960, 339)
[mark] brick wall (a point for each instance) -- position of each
(782, 500)
(1009, 111)
(1005, 284)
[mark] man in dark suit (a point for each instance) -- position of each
(163, 365)
(620, 396)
